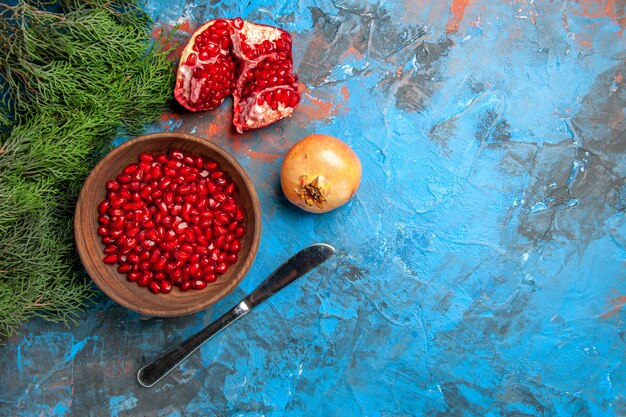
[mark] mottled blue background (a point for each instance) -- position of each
(480, 267)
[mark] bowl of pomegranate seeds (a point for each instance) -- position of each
(167, 224)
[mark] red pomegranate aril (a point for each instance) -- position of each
(219, 230)
(144, 280)
(109, 249)
(124, 178)
(148, 244)
(146, 157)
(152, 235)
(145, 166)
(174, 165)
(155, 287)
(198, 284)
(184, 189)
(230, 258)
(146, 193)
(235, 246)
(194, 269)
(156, 172)
(229, 208)
(210, 165)
(133, 276)
(221, 218)
(169, 172)
(166, 287)
(103, 207)
(186, 247)
(185, 286)
(177, 155)
(112, 185)
(240, 231)
(131, 169)
(155, 255)
(220, 241)
(181, 255)
(221, 268)
(124, 268)
(103, 231)
(110, 259)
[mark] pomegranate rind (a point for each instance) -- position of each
(326, 161)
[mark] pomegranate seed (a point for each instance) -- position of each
(176, 155)
(124, 178)
(112, 185)
(133, 276)
(110, 259)
(146, 157)
(221, 268)
(109, 249)
(230, 258)
(221, 218)
(155, 287)
(166, 287)
(103, 207)
(198, 284)
(219, 230)
(185, 286)
(131, 169)
(144, 280)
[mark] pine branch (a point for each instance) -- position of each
(76, 74)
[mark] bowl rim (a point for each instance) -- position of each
(88, 184)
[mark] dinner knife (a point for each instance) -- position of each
(296, 266)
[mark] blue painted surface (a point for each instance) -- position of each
(480, 267)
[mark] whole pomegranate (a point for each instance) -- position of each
(250, 61)
(320, 173)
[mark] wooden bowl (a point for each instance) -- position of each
(116, 285)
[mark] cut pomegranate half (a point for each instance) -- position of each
(250, 61)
